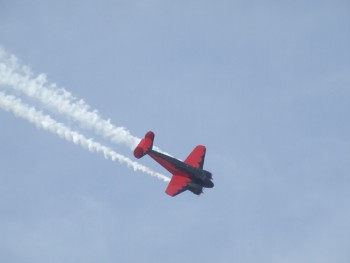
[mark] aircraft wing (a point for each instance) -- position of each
(177, 184)
(196, 157)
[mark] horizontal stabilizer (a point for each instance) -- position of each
(144, 146)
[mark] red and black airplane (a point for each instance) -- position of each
(187, 175)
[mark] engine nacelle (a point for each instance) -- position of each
(208, 174)
(206, 178)
(195, 188)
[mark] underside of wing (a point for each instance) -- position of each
(177, 185)
(196, 157)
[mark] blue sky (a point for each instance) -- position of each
(264, 85)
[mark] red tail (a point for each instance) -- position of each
(144, 146)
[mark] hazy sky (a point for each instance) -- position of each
(263, 84)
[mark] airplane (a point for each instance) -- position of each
(187, 175)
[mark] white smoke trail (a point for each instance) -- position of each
(20, 78)
(45, 122)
